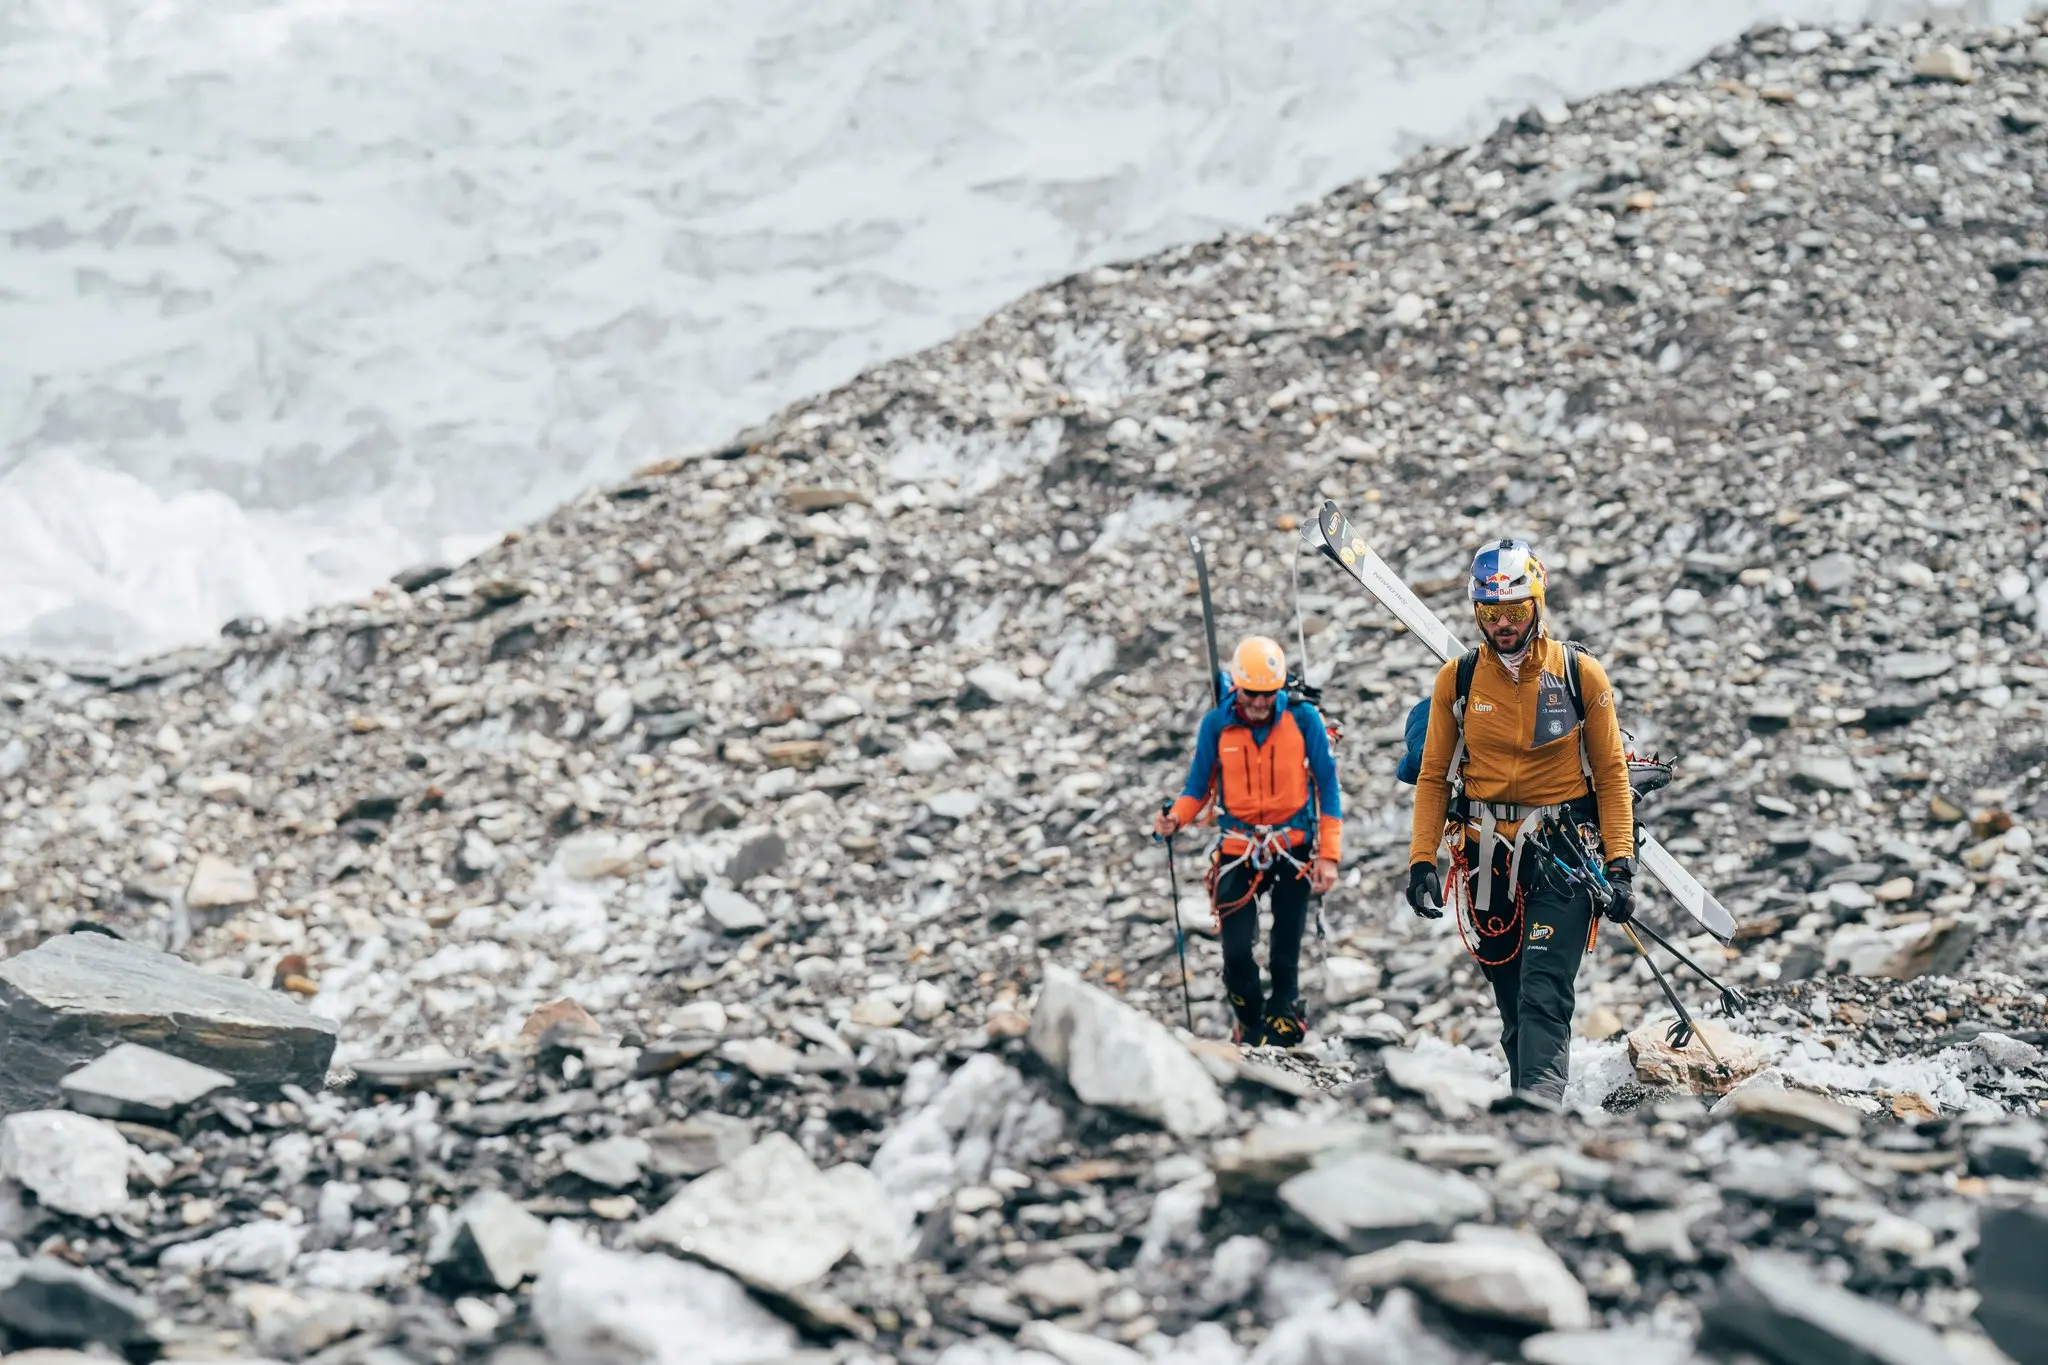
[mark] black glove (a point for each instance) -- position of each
(1425, 891)
(1621, 880)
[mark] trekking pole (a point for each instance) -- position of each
(1685, 1030)
(1732, 1000)
(1179, 938)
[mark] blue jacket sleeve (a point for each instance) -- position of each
(1322, 764)
(1194, 792)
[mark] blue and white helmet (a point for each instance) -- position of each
(1507, 571)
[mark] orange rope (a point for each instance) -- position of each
(1215, 879)
(1467, 912)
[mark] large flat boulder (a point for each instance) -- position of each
(74, 997)
(1117, 1058)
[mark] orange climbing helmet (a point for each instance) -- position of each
(1258, 665)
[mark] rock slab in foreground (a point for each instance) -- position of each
(74, 997)
(1629, 1346)
(140, 1083)
(2010, 1266)
(50, 1301)
(1772, 1304)
(1713, 1062)
(1115, 1057)
(1363, 1200)
(492, 1243)
(69, 1162)
(775, 1220)
(599, 1307)
(1486, 1271)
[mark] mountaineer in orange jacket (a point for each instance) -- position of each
(1524, 770)
(1265, 760)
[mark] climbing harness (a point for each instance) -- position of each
(1264, 846)
(1547, 834)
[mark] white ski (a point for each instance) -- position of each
(1348, 548)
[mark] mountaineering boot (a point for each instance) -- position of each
(1526, 1100)
(1285, 1025)
(1249, 1028)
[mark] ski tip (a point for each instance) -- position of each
(1715, 916)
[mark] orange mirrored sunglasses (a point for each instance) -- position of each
(1504, 613)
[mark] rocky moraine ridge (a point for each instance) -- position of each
(717, 924)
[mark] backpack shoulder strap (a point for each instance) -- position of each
(1572, 652)
(1468, 663)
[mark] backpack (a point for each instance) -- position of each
(1410, 769)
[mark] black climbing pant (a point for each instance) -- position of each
(1286, 893)
(1531, 954)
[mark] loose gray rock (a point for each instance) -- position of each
(731, 911)
(1116, 1057)
(295, 1324)
(2009, 1263)
(1794, 1111)
(1456, 1083)
(700, 1143)
(775, 1220)
(613, 1308)
(74, 997)
(757, 857)
(1075, 1348)
(1910, 667)
(218, 884)
(45, 1299)
(1829, 849)
(2015, 1150)
(1486, 1271)
(614, 1162)
(1605, 1348)
(1832, 573)
(265, 1249)
(69, 1162)
(492, 1243)
(1771, 1303)
(142, 1084)
(1364, 1200)
(959, 1130)
(1064, 1285)
(1825, 774)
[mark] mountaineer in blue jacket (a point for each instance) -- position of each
(1264, 761)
